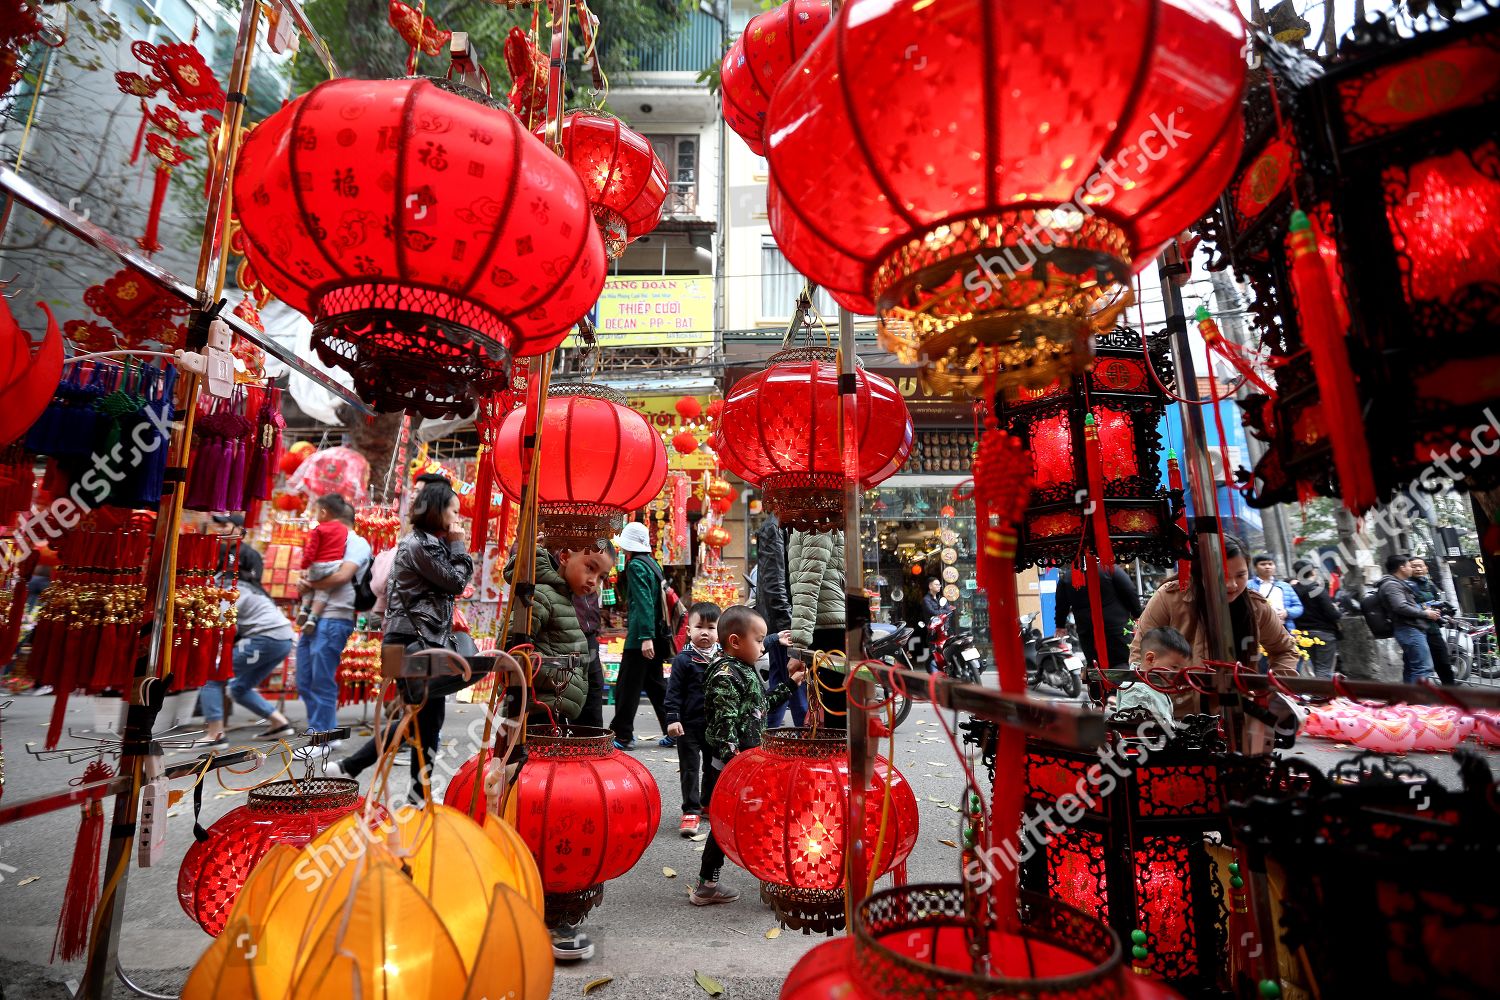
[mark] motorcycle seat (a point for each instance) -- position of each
(885, 640)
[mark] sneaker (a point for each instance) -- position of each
(311, 628)
(222, 743)
(666, 741)
(689, 825)
(284, 733)
(302, 616)
(627, 745)
(318, 752)
(708, 893)
(44, 689)
(569, 944)
(335, 770)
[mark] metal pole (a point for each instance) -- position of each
(856, 615)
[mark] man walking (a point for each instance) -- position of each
(645, 631)
(1282, 598)
(1408, 619)
(319, 651)
(1427, 594)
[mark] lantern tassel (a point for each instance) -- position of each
(1102, 546)
(82, 890)
(1317, 317)
(149, 241)
(1096, 613)
(16, 614)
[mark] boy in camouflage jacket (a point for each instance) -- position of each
(735, 710)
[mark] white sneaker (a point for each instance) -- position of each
(334, 770)
(313, 753)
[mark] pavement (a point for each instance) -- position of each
(647, 936)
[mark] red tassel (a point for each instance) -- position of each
(140, 137)
(11, 635)
(1317, 316)
(82, 891)
(1174, 480)
(484, 487)
(1102, 545)
(148, 240)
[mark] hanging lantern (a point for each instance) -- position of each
(284, 812)
(715, 407)
(289, 502)
(1127, 402)
(685, 442)
(27, 380)
(721, 507)
(901, 183)
(718, 489)
(716, 536)
(625, 180)
(426, 234)
(760, 59)
(780, 811)
(599, 460)
(779, 433)
(588, 813)
(688, 407)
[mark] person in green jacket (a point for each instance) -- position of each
(646, 635)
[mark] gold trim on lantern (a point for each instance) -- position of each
(612, 229)
(806, 501)
(1012, 296)
(577, 527)
(593, 390)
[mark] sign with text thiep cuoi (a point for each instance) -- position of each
(667, 311)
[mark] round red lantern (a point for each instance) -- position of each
(761, 57)
(721, 506)
(599, 459)
(685, 442)
(587, 811)
(716, 536)
(780, 433)
(987, 175)
(688, 407)
(291, 461)
(426, 233)
(781, 812)
(283, 812)
(289, 502)
(625, 179)
(715, 407)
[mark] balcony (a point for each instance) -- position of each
(682, 201)
(696, 46)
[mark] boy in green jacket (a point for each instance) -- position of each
(735, 708)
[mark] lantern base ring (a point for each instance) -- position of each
(806, 501)
(806, 910)
(578, 527)
(572, 907)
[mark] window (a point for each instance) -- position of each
(780, 284)
(679, 153)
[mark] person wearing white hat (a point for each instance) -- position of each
(646, 636)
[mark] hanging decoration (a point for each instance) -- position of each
(416, 30)
(783, 816)
(425, 309)
(987, 257)
(760, 58)
(169, 154)
(144, 314)
(527, 64)
(82, 889)
(21, 26)
(203, 613)
(177, 70)
(27, 379)
(625, 180)
(599, 460)
(779, 434)
(333, 470)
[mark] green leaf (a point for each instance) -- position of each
(710, 985)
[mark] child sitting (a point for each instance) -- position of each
(685, 707)
(322, 553)
(735, 706)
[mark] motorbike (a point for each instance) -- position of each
(1468, 643)
(882, 642)
(953, 652)
(1048, 660)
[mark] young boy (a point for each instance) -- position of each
(685, 707)
(1162, 649)
(735, 707)
(322, 553)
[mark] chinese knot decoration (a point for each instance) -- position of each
(139, 309)
(625, 179)
(599, 460)
(427, 235)
(779, 432)
(761, 57)
(988, 189)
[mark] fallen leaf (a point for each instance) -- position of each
(939, 801)
(594, 984)
(225, 795)
(669, 873)
(28, 880)
(699, 848)
(174, 796)
(773, 933)
(173, 812)
(710, 985)
(938, 763)
(948, 843)
(699, 837)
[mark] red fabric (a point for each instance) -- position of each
(325, 543)
(760, 59)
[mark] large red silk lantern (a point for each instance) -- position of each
(780, 432)
(985, 174)
(588, 812)
(427, 235)
(599, 459)
(625, 179)
(285, 812)
(27, 380)
(781, 812)
(761, 57)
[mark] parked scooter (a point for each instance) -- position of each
(1464, 639)
(1048, 660)
(953, 652)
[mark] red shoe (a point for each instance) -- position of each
(689, 825)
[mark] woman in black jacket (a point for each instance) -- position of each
(431, 569)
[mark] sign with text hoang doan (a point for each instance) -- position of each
(667, 311)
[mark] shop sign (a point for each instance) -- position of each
(654, 312)
(660, 411)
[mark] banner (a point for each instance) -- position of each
(670, 311)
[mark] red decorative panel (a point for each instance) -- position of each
(1053, 525)
(1052, 451)
(1120, 375)
(1133, 521)
(1444, 214)
(1464, 74)
(1164, 904)
(1050, 778)
(1076, 870)
(1264, 179)
(1177, 791)
(1117, 451)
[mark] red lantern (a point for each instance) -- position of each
(780, 434)
(718, 489)
(428, 236)
(685, 442)
(717, 536)
(715, 407)
(27, 381)
(599, 459)
(625, 180)
(289, 502)
(721, 507)
(588, 812)
(291, 461)
(986, 175)
(688, 407)
(284, 812)
(780, 811)
(759, 60)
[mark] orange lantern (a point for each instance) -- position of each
(716, 537)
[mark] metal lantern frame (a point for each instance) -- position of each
(1127, 379)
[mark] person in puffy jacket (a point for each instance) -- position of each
(815, 569)
(772, 598)
(561, 683)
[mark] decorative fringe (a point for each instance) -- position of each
(1318, 319)
(10, 634)
(82, 891)
(149, 241)
(1103, 548)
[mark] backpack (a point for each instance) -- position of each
(364, 594)
(1372, 606)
